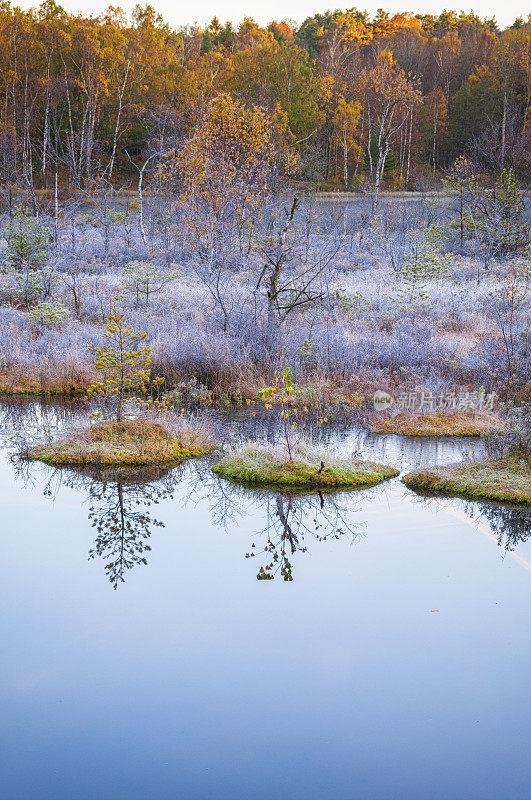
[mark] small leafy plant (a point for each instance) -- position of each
(282, 391)
(145, 279)
(25, 287)
(425, 258)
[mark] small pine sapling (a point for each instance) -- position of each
(124, 364)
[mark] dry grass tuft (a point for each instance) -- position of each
(455, 424)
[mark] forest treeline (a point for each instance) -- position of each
(396, 98)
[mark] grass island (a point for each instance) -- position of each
(262, 463)
(453, 424)
(131, 443)
(502, 480)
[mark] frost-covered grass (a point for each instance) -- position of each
(503, 480)
(262, 463)
(188, 339)
(369, 329)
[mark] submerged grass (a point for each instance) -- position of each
(454, 424)
(503, 480)
(261, 463)
(132, 443)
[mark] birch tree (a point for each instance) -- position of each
(390, 99)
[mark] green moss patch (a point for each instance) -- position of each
(503, 480)
(264, 464)
(131, 443)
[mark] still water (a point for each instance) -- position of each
(389, 657)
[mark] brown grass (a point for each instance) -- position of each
(455, 424)
(50, 378)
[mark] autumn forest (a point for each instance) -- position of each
(85, 96)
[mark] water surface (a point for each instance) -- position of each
(388, 658)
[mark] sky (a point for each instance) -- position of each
(178, 13)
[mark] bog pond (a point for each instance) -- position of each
(388, 658)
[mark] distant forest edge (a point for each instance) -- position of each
(349, 99)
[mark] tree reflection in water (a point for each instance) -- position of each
(118, 511)
(511, 525)
(119, 503)
(123, 525)
(291, 520)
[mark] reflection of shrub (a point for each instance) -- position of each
(50, 315)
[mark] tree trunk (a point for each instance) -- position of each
(504, 128)
(118, 116)
(55, 209)
(345, 162)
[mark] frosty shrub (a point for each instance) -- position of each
(425, 259)
(49, 315)
(14, 335)
(503, 222)
(516, 438)
(28, 242)
(145, 278)
(123, 363)
(26, 287)
(350, 302)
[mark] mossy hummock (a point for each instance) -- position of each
(455, 424)
(503, 480)
(264, 464)
(130, 443)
